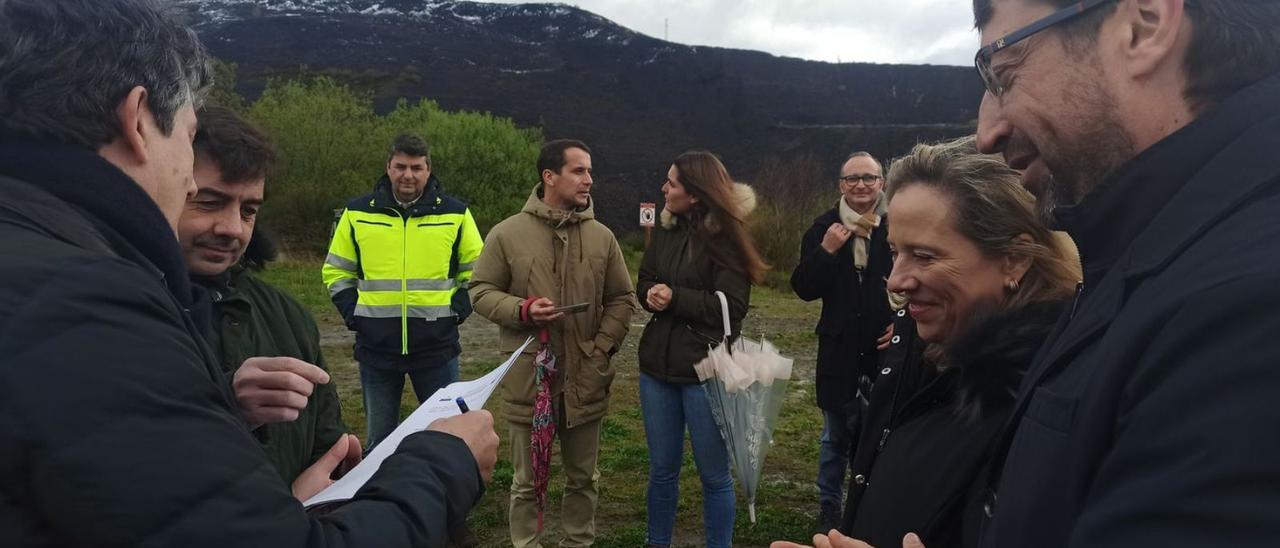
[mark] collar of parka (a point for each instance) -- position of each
(553, 216)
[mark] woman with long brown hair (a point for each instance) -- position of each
(703, 247)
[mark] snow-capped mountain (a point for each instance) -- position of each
(638, 100)
(568, 19)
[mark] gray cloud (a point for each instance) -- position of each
(876, 31)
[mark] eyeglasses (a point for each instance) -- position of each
(867, 180)
(982, 61)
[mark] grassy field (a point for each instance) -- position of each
(787, 499)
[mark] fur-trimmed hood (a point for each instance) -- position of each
(744, 196)
(994, 351)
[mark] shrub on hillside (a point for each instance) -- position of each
(223, 91)
(790, 194)
(483, 159)
(333, 146)
(328, 148)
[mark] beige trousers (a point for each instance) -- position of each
(579, 450)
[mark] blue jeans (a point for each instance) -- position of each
(667, 410)
(383, 388)
(833, 458)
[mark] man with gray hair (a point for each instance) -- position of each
(117, 427)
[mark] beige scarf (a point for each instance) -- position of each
(861, 226)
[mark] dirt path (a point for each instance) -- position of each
(620, 517)
(786, 322)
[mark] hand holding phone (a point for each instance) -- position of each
(572, 308)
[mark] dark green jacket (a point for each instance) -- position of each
(692, 324)
(253, 318)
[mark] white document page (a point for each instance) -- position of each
(440, 405)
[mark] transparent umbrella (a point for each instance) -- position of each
(746, 383)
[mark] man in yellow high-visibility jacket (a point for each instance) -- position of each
(398, 269)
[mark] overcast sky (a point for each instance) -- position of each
(877, 31)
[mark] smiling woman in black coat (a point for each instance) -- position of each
(929, 429)
(984, 282)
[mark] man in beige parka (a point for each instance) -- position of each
(554, 253)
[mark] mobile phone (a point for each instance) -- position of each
(571, 309)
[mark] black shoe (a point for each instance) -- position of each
(462, 537)
(828, 518)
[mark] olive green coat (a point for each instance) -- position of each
(570, 258)
(253, 318)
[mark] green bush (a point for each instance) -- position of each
(789, 196)
(333, 147)
(330, 151)
(485, 160)
(223, 91)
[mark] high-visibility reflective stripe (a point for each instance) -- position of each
(341, 285)
(386, 311)
(339, 262)
(393, 311)
(431, 285)
(467, 267)
(424, 221)
(411, 285)
(431, 312)
(411, 298)
(380, 285)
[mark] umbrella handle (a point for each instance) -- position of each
(724, 315)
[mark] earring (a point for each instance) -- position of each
(1012, 286)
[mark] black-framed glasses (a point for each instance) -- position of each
(982, 60)
(867, 180)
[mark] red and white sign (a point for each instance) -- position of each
(648, 213)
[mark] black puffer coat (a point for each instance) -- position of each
(855, 310)
(929, 433)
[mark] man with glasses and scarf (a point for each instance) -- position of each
(1148, 130)
(844, 260)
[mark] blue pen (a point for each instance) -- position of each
(462, 405)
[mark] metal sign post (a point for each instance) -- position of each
(648, 214)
